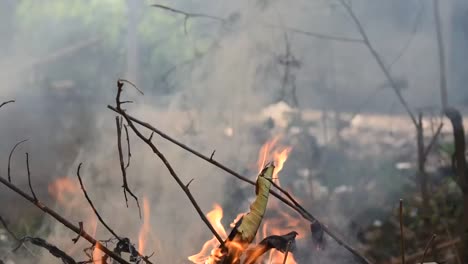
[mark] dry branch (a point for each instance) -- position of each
(427, 248)
(304, 213)
(316, 35)
(9, 157)
(123, 168)
(64, 221)
(53, 250)
(29, 177)
(188, 15)
(166, 163)
(379, 60)
(402, 234)
(7, 102)
(121, 240)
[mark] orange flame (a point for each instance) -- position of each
(97, 254)
(210, 251)
(145, 228)
(67, 192)
(271, 151)
(210, 247)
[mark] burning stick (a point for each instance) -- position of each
(64, 221)
(304, 213)
(121, 240)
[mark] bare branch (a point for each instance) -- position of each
(427, 247)
(433, 140)
(305, 214)
(9, 157)
(64, 221)
(187, 14)
(29, 177)
(92, 205)
(55, 251)
(5, 226)
(287, 252)
(316, 35)
(122, 166)
(402, 235)
(176, 177)
(99, 216)
(129, 153)
(440, 48)
(7, 102)
(379, 60)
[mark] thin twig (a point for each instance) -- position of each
(441, 52)
(433, 140)
(415, 28)
(171, 171)
(5, 226)
(402, 234)
(287, 251)
(305, 214)
(29, 177)
(379, 60)
(316, 35)
(92, 205)
(9, 157)
(174, 175)
(122, 166)
(187, 14)
(99, 216)
(129, 153)
(53, 250)
(7, 102)
(427, 247)
(62, 220)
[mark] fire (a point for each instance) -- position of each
(214, 216)
(271, 151)
(282, 223)
(67, 192)
(145, 228)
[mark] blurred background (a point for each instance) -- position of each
(231, 76)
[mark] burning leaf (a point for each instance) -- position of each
(252, 220)
(281, 243)
(317, 235)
